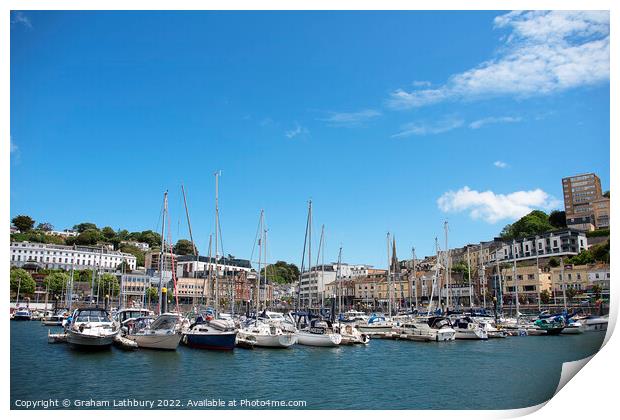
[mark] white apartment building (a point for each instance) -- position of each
(188, 266)
(142, 246)
(68, 257)
(564, 243)
(313, 282)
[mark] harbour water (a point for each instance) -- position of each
(506, 373)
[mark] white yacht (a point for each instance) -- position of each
(350, 334)
(376, 326)
(318, 333)
(467, 329)
(163, 333)
(267, 334)
(22, 314)
(91, 327)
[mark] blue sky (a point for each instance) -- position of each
(388, 121)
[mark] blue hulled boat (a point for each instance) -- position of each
(217, 334)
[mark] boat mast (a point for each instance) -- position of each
(339, 281)
(501, 287)
(447, 260)
(260, 250)
(265, 288)
(415, 280)
(537, 272)
(217, 221)
(310, 253)
(471, 302)
(434, 281)
(322, 252)
(482, 278)
(514, 276)
(563, 284)
(303, 257)
(208, 276)
(191, 237)
(162, 252)
(389, 275)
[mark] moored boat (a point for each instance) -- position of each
(215, 334)
(91, 328)
(162, 333)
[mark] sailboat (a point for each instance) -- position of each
(312, 330)
(264, 334)
(210, 332)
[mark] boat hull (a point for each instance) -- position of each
(21, 317)
(157, 341)
(215, 341)
(89, 341)
(473, 334)
(318, 340)
(275, 341)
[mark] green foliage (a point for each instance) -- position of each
(148, 236)
(108, 285)
(281, 272)
(108, 232)
(545, 297)
(89, 237)
(554, 262)
(37, 236)
(83, 227)
(596, 253)
(570, 292)
(46, 227)
(56, 282)
(152, 295)
(606, 194)
(23, 223)
(135, 251)
(22, 279)
(557, 219)
(184, 247)
(598, 233)
(83, 276)
(597, 290)
(534, 223)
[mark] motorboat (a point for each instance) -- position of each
(441, 327)
(319, 333)
(491, 329)
(22, 314)
(551, 326)
(574, 327)
(377, 326)
(351, 334)
(163, 332)
(127, 316)
(467, 329)
(595, 323)
(214, 334)
(54, 318)
(415, 331)
(92, 328)
(268, 335)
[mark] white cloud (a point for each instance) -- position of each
(493, 120)
(546, 52)
(19, 17)
(492, 207)
(422, 129)
(500, 164)
(297, 131)
(351, 118)
(421, 83)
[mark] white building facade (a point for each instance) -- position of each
(67, 257)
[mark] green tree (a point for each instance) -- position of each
(23, 223)
(545, 297)
(597, 290)
(55, 282)
(600, 252)
(184, 247)
(89, 237)
(554, 262)
(135, 251)
(534, 223)
(570, 293)
(108, 285)
(606, 194)
(281, 272)
(557, 218)
(584, 257)
(22, 280)
(46, 227)
(83, 227)
(152, 295)
(147, 236)
(108, 232)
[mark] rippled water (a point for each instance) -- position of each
(496, 374)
